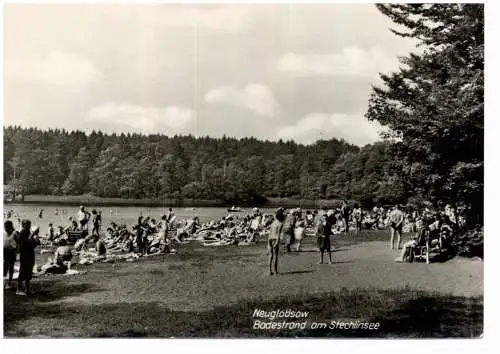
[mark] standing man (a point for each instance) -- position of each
(289, 229)
(139, 233)
(28, 240)
(83, 218)
(323, 232)
(346, 212)
(10, 245)
(96, 222)
(358, 216)
(170, 215)
(273, 243)
(396, 218)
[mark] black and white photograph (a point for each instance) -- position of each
(243, 170)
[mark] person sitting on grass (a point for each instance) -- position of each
(100, 248)
(60, 232)
(81, 244)
(73, 226)
(63, 255)
(274, 238)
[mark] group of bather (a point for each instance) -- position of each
(150, 237)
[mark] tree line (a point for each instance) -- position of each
(57, 162)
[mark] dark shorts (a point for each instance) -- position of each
(323, 243)
(398, 228)
(65, 258)
(273, 245)
(26, 264)
(9, 258)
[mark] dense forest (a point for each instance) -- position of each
(157, 166)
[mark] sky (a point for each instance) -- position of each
(272, 71)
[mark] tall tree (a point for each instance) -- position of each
(434, 104)
(78, 178)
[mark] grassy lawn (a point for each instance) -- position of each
(213, 292)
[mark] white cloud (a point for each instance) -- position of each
(56, 68)
(351, 61)
(353, 128)
(232, 19)
(169, 119)
(256, 97)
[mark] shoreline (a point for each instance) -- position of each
(75, 200)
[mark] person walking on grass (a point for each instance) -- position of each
(323, 233)
(28, 240)
(10, 245)
(345, 210)
(273, 242)
(396, 218)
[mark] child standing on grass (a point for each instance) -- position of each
(323, 232)
(28, 240)
(273, 242)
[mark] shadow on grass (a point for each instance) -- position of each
(21, 308)
(297, 272)
(317, 251)
(400, 312)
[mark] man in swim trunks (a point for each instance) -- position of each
(396, 218)
(274, 240)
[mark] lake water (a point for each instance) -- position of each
(121, 214)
